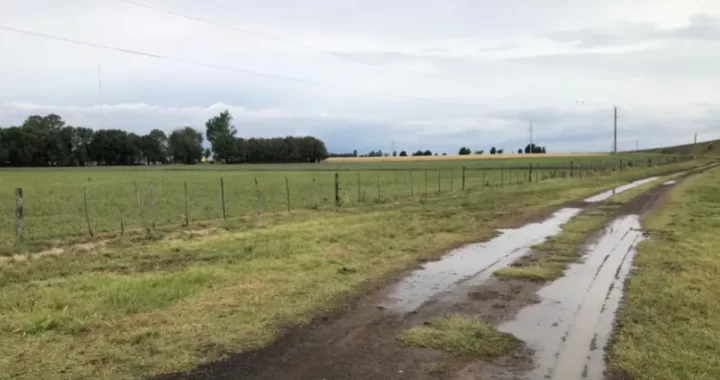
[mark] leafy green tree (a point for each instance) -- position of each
(185, 145)
(221, 134)
(464, 151)
(403, 154)
(493, 150)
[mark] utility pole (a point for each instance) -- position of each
(531, 143)
(615, 141)
(695, 138)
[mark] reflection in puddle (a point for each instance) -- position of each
(473, 261)
(608, 194)
(570, 327)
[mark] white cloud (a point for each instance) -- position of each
(561, 63)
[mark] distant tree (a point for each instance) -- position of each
(520, 151)
(403, 154)
(394, 153)
(464, 151)
(499, 151)
(221, 134)
(444, 154)
(543, 150)
(355, 153)
(493, 150)
(479, 152)
(427, 153)
(207, 153)
(185, 145)
(418, 153)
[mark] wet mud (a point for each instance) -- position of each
(610, 193)
(569, 327)
(473, 262)
(565, 324)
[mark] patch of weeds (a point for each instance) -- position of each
(438, 369)
(535, 272)
(461, 337)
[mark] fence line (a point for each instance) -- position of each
(97, 206)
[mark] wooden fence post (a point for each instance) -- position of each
(378, 186)
(439, 179)
(122, 223)
(258, 195)
(463, 179)
(530, 176)
(222, 197)
(287, 188)
(426, 183)
(137, 196)
(87, 213)
(412, 191)
(187, 217)
(19, 215)
(337, 189)
(315, 205)
(152, 205)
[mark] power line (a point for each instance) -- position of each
(221, 67)
(284, 41)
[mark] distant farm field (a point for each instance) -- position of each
(470, 157)
(61, 203)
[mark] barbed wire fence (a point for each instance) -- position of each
(100, 208)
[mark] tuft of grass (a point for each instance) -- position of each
(461, 337)
(438, 369)
(532, 272)
(668, 327)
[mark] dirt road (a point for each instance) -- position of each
(565, 324)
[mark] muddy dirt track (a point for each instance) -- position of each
(565, 324)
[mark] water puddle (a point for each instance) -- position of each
(570, 327)
(670, 182)
(608, 194)
(474, 261)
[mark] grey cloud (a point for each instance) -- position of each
(699, 27)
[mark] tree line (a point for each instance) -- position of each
(48, 141)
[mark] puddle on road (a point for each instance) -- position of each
(473, 261)
(608, 194)
(570, 327)
(670, 182)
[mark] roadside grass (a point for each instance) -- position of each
(145, 305)
(550, 258)
(668, 327)
(462, 337)
(140, 197)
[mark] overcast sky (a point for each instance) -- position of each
(426, 74)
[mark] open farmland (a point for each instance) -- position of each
(77, 202)
(136, 307)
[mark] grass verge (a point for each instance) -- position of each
(668, 326)
(461, 337)
(133, 308)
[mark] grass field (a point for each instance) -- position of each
(139, 306)
(669, 327)
(140, 197)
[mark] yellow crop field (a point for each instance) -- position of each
(458, 157)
